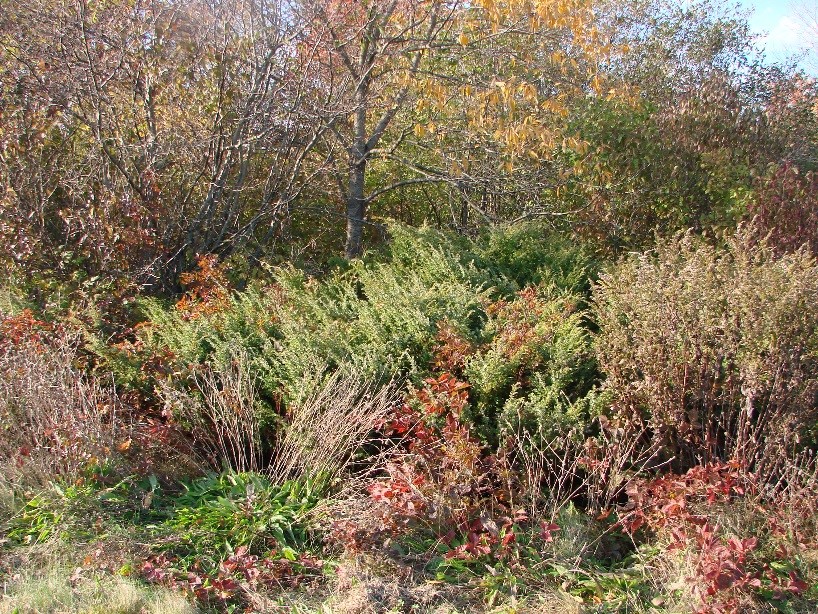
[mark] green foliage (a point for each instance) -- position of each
(649, 175)
(715, 348)
(695, 114)
(380, 318)
(38, 521)
(57, 512)
(173, 341)
(376, 318)
(12, 299)
(218, 514)
(247, 321)
(385, 316)
(534, 254)
(536, 367)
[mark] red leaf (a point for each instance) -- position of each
(797, 585)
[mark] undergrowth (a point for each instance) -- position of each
(489, 424)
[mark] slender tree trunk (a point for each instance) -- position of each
(356, 209)
(356, 199)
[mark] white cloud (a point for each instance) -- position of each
(786, 34)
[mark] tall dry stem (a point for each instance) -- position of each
(221, 415)
(326, 430)
(55, 420)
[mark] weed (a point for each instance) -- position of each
(218, 514)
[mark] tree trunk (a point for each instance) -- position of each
(356, 200)
(356, 209)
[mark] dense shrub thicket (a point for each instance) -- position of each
(712, 350)
(506, 403)
(591, 385)
(377, 318)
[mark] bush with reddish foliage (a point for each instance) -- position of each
(785, 209)
(693, 513)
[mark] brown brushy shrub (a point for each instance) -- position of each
(713, 350)
(317, 437)
(784, 209)
(55, 421)
(60, 422)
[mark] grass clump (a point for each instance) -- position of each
(63, 590)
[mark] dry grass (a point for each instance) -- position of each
(326, 430)
(321, 433)
(377, 584)
(569, 465)
(63, 590)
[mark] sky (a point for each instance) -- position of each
(780, 26)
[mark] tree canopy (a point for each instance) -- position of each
(137, 136)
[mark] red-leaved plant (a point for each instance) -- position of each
(726, 568)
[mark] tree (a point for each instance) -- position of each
(704, 117)
(138, 135)
(463, 95)
(367, 54)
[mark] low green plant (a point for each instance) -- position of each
(51, 513)
(535, 368)
(217, 514)
(85, 510)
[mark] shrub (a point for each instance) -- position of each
(534, 254)
(55, 420)
(221, 415)
(714, 350)
(380, 318)
(732, 552)
(322, 435)
(785, 209)
(441, 497)
(535, 367)
(439, 488)
(170, 341)
(375, 319)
